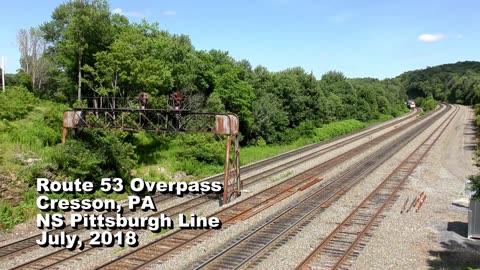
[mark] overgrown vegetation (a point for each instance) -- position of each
(30, 147)
(475, 179)
(427, 104)
(453, 83)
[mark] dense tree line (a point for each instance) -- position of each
(92, 52)
(454, 83)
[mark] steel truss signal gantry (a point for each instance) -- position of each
(159, 120)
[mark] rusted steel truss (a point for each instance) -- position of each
(158, 120)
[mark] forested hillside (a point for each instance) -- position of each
(454, 83)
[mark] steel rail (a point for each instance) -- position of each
(235, 256)
(156, 250)
(397, 178)
(24, 244)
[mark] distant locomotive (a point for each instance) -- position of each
(411, 104)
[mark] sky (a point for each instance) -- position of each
(375, 38)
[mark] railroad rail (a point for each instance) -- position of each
(161, 249)
(22, 246)
(342, 245)
(249, 250)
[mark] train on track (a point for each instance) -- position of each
(411, 104)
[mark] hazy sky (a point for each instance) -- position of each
(360, 38)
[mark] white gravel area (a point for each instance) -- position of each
(297, 248)
(433, 238)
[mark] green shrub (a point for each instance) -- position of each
(380, 117)
(260, 142)
(194, 167)
(36, 135)
(7, 216)
(75, 160)
(53, 116)
(12, 215)
(429, 104)
(5, 126)
(204, 148)
(476, 178)
(16, 102)
(149, 146)
(95, 155)
(336, 129)
(305, 129)
(475, 186)
(399, 109)
(115, 157)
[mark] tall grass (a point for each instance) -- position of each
(251, 154)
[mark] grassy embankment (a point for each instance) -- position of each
(30, 136)
(166, 159)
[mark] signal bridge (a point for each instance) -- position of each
(176, 119)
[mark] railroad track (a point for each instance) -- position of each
(249, 250)
(24, 245)
(342, 246)
(160, 250)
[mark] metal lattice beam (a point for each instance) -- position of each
(169, 121)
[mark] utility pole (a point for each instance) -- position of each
(3, 74)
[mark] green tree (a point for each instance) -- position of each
(270, 118)
(134, 63)
(455, 83)
(236, 95)
(78, 30)
(336, 83)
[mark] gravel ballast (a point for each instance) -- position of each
(187, 259)
(296, 249)
(435, 237)
(337, 212)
